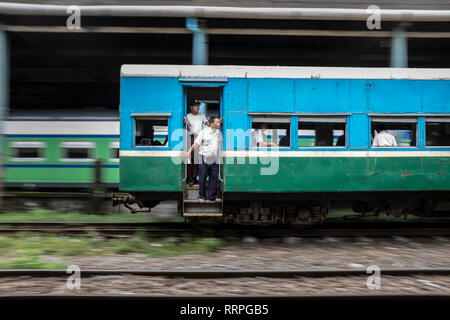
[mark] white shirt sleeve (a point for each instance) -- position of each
(254, 143)
(375, 141)
(257, 137)
(199, 139)
(204, 120)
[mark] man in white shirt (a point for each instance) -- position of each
(208, 141)
(195, 122)
(259, 137)
(384, 139)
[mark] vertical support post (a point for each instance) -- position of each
(399, 49)
(294, 132)
(97, 190)
(421, 132)
(199, 42)
(4, 75)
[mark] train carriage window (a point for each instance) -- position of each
(318, 131)
(77, 151)
(437, 132)
(151, 131)
(393, 131)
(28, 151)
(271, 131)
(114, 146)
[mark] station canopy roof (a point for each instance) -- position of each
(383, 4)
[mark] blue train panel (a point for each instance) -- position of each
(352, 96)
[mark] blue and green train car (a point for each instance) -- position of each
(322, 121)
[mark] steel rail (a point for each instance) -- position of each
(214, 274)
(281, 297)
(165, 229)
(225, 12)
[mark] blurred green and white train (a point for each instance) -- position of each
(58, 150)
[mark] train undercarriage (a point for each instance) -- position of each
(293, 208)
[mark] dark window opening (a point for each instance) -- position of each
(77, 153)
(151, 132)
(321, 132)
(437, 133)
(27, 150)
(27, 153)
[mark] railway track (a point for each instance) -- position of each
(166, 229)
(228, 298)
(218, 274)
(214, 274)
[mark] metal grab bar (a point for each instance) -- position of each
(220, 166)
(184, 157)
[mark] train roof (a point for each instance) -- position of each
(223, 72)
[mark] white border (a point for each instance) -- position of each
(16, 159)
(63, 127)
(77, 144)
(189, 71)
(28, 144)
(296, 154)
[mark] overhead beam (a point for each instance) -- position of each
(229, 31)
(399, 15)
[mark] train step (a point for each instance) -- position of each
(202, 214)
(192, 192)
(197, 208)
(198, 201)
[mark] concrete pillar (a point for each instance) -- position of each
(199, 42)
(399, 49)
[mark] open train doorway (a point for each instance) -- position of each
(202, 188)
(208, 100)
(208, 97)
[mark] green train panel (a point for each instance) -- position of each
(58, 159)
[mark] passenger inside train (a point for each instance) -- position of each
(270, 131)
(398, 132)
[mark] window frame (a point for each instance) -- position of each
(323, 118)
(435, 119)
(268, 115)
(64, 145)
(114, 145)
(40, 145)
(150, 116)
(398, 119)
